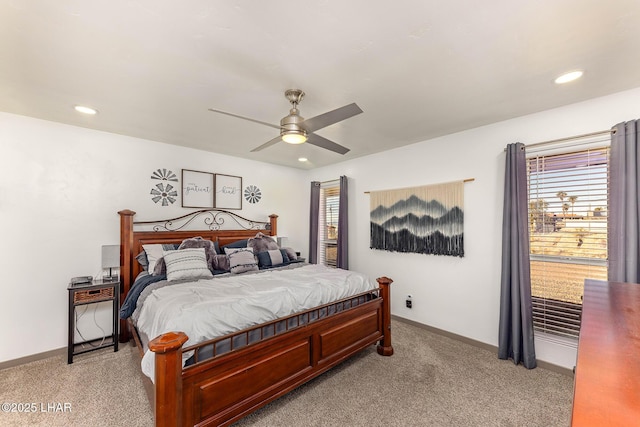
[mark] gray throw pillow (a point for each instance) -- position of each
(221, 262)
(262, 243)
(199, 242)
(291, 254)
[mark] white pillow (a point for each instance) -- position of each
(242, 260)
(154, 252)
(187, 264)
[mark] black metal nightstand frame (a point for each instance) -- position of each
(92, 293)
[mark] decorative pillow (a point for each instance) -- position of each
(228, 251)
(236, 244)
(262, 243)
(199, 242)
(273, 258)
(291, 254)
(242, 260)
(154, 252)
(187, 264)
(160, 268)
(142, 260)
(221, 263)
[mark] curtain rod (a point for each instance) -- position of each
(464, 180)
(328, 182)
(569, 138)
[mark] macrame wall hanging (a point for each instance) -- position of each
(426, 220)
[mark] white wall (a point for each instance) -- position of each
(60, 190)
(461, 295)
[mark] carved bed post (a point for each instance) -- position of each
(126, 247)
(273, 222)
(384, 347)
(168, 378)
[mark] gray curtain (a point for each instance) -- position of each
(624, 204)
(343, 226)
(515, 331)
(313, 222)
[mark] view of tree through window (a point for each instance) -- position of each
(328, 235)
(568, 234)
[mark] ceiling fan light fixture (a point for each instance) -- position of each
(294, 129)
(294, 137)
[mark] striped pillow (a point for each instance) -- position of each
(186, 264)
(242, 260)
(273, 258)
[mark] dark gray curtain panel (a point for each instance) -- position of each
(624, 204)
(343, 226)
(313, 222)
(515, 339)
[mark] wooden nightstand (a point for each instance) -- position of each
(91, 293)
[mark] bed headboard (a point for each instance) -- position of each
(214, 224)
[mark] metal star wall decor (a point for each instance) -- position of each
(252, 194)
(164, 193)
(164, 175)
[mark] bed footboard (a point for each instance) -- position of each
(223, 389)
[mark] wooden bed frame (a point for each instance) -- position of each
(221, 389)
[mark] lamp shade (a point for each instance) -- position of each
(110, 256)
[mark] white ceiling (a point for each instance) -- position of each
(418, 68)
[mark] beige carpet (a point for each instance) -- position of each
(102, 388)
(431, 380)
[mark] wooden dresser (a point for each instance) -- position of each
(607, 380)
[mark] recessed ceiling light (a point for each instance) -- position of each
(85, 110)
(568, 77)
(302, 159)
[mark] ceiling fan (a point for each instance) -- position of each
(294, 129)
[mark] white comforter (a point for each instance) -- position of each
(211, 308)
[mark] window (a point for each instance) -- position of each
(328, 223)
(568, 203)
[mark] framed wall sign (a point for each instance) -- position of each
(197, 189)
(228, 192)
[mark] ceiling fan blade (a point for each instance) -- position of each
(245, 118)
(323, 120)
(322, 142)
(268, 144)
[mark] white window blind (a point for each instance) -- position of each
(568, 207)
(328, 223)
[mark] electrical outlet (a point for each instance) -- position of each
(409, 302)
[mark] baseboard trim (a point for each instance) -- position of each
(32, 358)
(480, 344)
